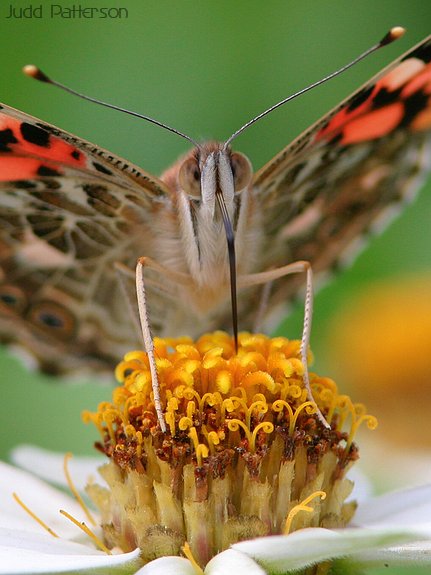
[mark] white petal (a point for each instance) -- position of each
(23, 552)
(232, 561)
(413, 554)
(362, 488)
(45, 501)
(414, 470)
(309, 546)
(168, 566)
(229, 561)
(49, 465)
(408, 507)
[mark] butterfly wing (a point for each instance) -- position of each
(68, 212)
(345, 175)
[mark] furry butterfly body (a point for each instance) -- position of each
(70, 211)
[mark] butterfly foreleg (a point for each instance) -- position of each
(267, 278)
(143, 263)
(148, 340)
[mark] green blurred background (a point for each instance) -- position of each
(205, 68)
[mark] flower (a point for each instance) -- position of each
(247, 453)
(25, 547)
(389, 530)
(245, 448)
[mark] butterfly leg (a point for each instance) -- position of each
(271, 275)
(143, 263)
(148, 340)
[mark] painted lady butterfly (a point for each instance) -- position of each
(71, 211)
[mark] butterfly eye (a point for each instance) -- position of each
(241, 170)
(53, 318)
(189, 178)
(12, 299)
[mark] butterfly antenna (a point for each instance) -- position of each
(36, 73)
(230, 238)
(393, 34)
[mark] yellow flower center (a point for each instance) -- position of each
(243, 447)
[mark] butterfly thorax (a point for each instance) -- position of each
(207, 176)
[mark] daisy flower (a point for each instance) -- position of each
(247, 477)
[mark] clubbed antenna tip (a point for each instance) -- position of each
(34, 72)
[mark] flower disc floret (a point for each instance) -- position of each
(243, 447)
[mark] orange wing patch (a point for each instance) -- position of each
(400, 98)
(29, 151)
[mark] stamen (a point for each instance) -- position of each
(266, 427)
(213, 440)
(201, 449)
(303, 506)
(260, 406)
(98, 542)
(327, 394)
(74, 491)
(309, 406)
(109, 417)
(235, 424)
(211, 399)
(371, 422)
(188, 553)
(170, 414)
(33, 515)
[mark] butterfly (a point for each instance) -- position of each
(70, 212)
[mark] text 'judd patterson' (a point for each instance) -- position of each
(58, 11)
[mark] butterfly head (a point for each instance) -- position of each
(212, 169)
(204, 186)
